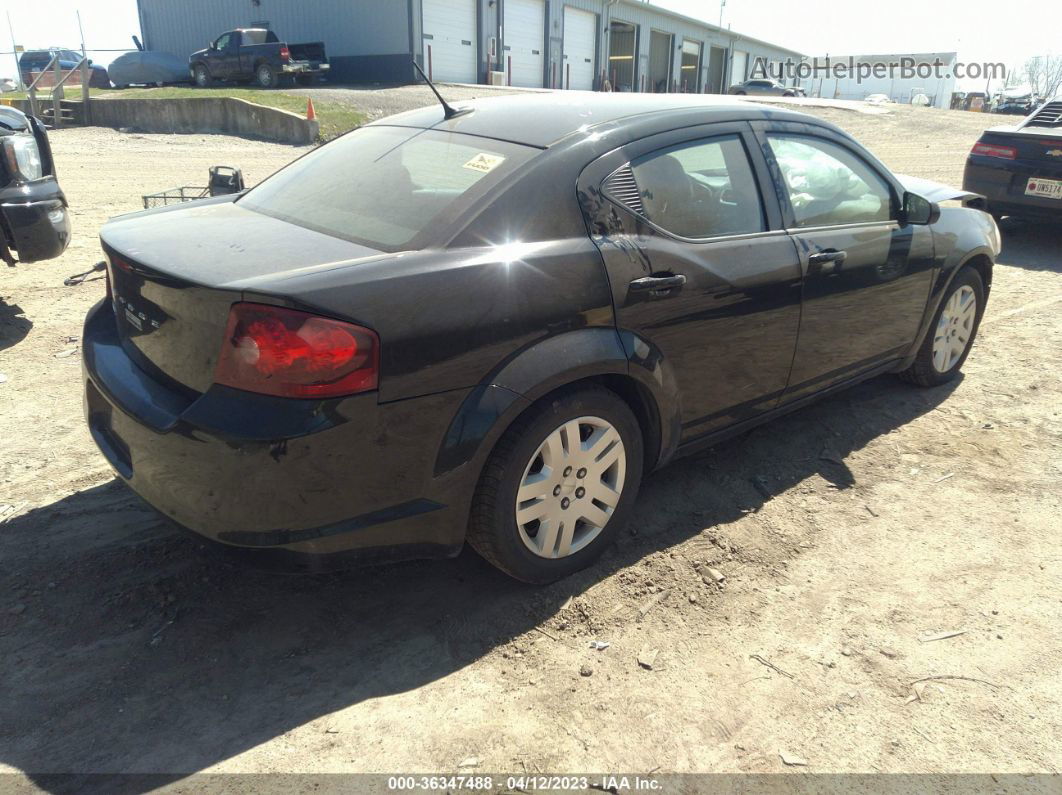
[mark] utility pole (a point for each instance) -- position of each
(722, 5)
(14, 53)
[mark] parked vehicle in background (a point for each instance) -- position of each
(37, 60)
(1015, 104)
(878, 99)
(33, 210)
(1019, 169)
(770, 88)
(313, 367)
(256, 55)
(148, 68)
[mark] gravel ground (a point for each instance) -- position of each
(847, 534)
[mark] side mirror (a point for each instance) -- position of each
(917, 210)
(212, 45)
(90, 62)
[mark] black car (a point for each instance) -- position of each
(1019, 169)
(34, 218)
(488, 325)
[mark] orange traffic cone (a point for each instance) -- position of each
(310, 114)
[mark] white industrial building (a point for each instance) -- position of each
(577, 44)
(900, 77)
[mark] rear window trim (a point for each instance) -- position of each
(443, 227)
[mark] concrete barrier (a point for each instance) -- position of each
(226, 115)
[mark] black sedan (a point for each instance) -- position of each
(490, 325)
(1019, 169)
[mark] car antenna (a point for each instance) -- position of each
(449, 111)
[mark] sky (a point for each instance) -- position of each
(1009, 32)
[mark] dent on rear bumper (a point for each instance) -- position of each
(251, 471)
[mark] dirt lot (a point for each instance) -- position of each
(847, 534)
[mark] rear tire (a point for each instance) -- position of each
(538, 469)
(265, 76)
(951, 334)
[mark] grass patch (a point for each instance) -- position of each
(335, 118)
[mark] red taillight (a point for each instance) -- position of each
(283, 352)
(992, 150)
(285, 54)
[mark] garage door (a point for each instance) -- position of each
(524, 36)
(580, 43)
(450, 30)
(738, 66)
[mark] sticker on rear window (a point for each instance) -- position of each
(484, 163)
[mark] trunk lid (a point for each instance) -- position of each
(175, 272)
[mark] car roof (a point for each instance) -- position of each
(543, 119)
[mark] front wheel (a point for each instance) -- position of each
(202, 76)
(558, 486)
(948, 342)
(266, 76)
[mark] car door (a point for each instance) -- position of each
(867, 276)
(220, 59)
(703, 276)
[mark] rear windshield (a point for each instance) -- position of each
(384, 186)
(258, 36)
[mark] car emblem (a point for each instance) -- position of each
(1055, 152)
(131, 316)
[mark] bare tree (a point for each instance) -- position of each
(1044, 75)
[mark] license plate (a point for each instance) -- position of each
(1047, 188)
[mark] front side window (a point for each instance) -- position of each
(223, 42)
(700, 190)
(383, 186)
(828, 184)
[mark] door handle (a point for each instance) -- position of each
(828, 260)
(667, 281)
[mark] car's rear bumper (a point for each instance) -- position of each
(299, 483)
(37, 219)
(305, 67)
(1002, 183)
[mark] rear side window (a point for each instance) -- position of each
(258, 36)
(384, 186)
(700, 190)
(827, 184)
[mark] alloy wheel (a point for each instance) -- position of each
(571, 487)
(265, 77)
(954, 329)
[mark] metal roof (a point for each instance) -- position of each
(705, 24)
